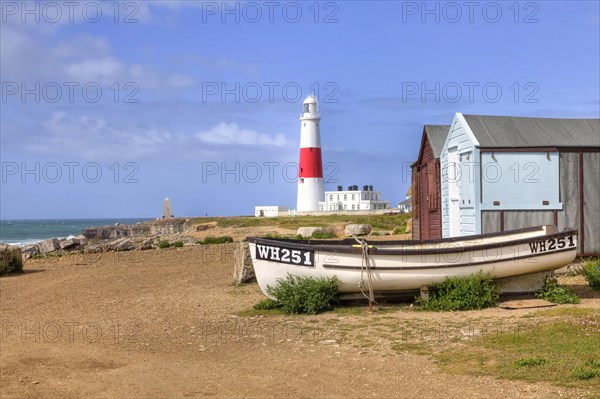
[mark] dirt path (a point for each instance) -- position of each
(164, 323)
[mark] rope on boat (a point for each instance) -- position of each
(365, 267)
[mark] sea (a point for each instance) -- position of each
(27, 231)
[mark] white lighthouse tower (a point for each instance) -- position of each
(310, 169)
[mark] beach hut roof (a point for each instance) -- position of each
(520, 132)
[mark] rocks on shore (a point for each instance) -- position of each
(48, 246)
(357, 230)
(307, 232)
(119, 237)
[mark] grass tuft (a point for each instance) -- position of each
(530, 362)
(322, 235)
(267, 304)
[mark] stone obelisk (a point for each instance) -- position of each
(167, 211)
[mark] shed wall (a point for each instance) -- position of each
(569, 192)
(591, 202)
(490, 221)
(427, 195)
(570, 215)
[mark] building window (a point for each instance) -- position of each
(345, 197)
(331, 198)
(345, 207)
(353, 197)
(352, 206)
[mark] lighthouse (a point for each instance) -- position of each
(310, 168)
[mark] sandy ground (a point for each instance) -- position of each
(166, 324)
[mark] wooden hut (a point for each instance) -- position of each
(426, 187)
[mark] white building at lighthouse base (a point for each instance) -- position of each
(353, 199)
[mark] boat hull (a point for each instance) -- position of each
(408, 265)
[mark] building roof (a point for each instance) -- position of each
(514, 132)
(405, 202)
(436, 134)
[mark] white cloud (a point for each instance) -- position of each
(93, 137)
(82, 58)
(232, 134)
(105, 70)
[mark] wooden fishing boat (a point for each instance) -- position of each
(395, 266)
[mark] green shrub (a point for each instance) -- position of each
(585, 374)
(475, 292)
(555, 293)
(305, 294)
(321, 235)
(17, 265)
(216, 240)
(10, 263)
(177, 244)
(591, 272)
(163, 244)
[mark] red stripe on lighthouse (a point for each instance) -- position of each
(311, 164)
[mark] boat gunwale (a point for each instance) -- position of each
(345, 246)
(451, 265)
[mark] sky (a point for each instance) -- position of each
(109, 107)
